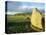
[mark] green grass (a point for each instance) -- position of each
(17, 24)
(16, 18)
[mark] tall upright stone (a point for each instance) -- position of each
(36, 18)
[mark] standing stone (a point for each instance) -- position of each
(36, 18)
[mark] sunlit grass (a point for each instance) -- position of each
(16, 18)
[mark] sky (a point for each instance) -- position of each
(16, 6)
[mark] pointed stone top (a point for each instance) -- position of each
(34, 10)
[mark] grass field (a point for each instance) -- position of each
(18, 24)
(16, 18)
